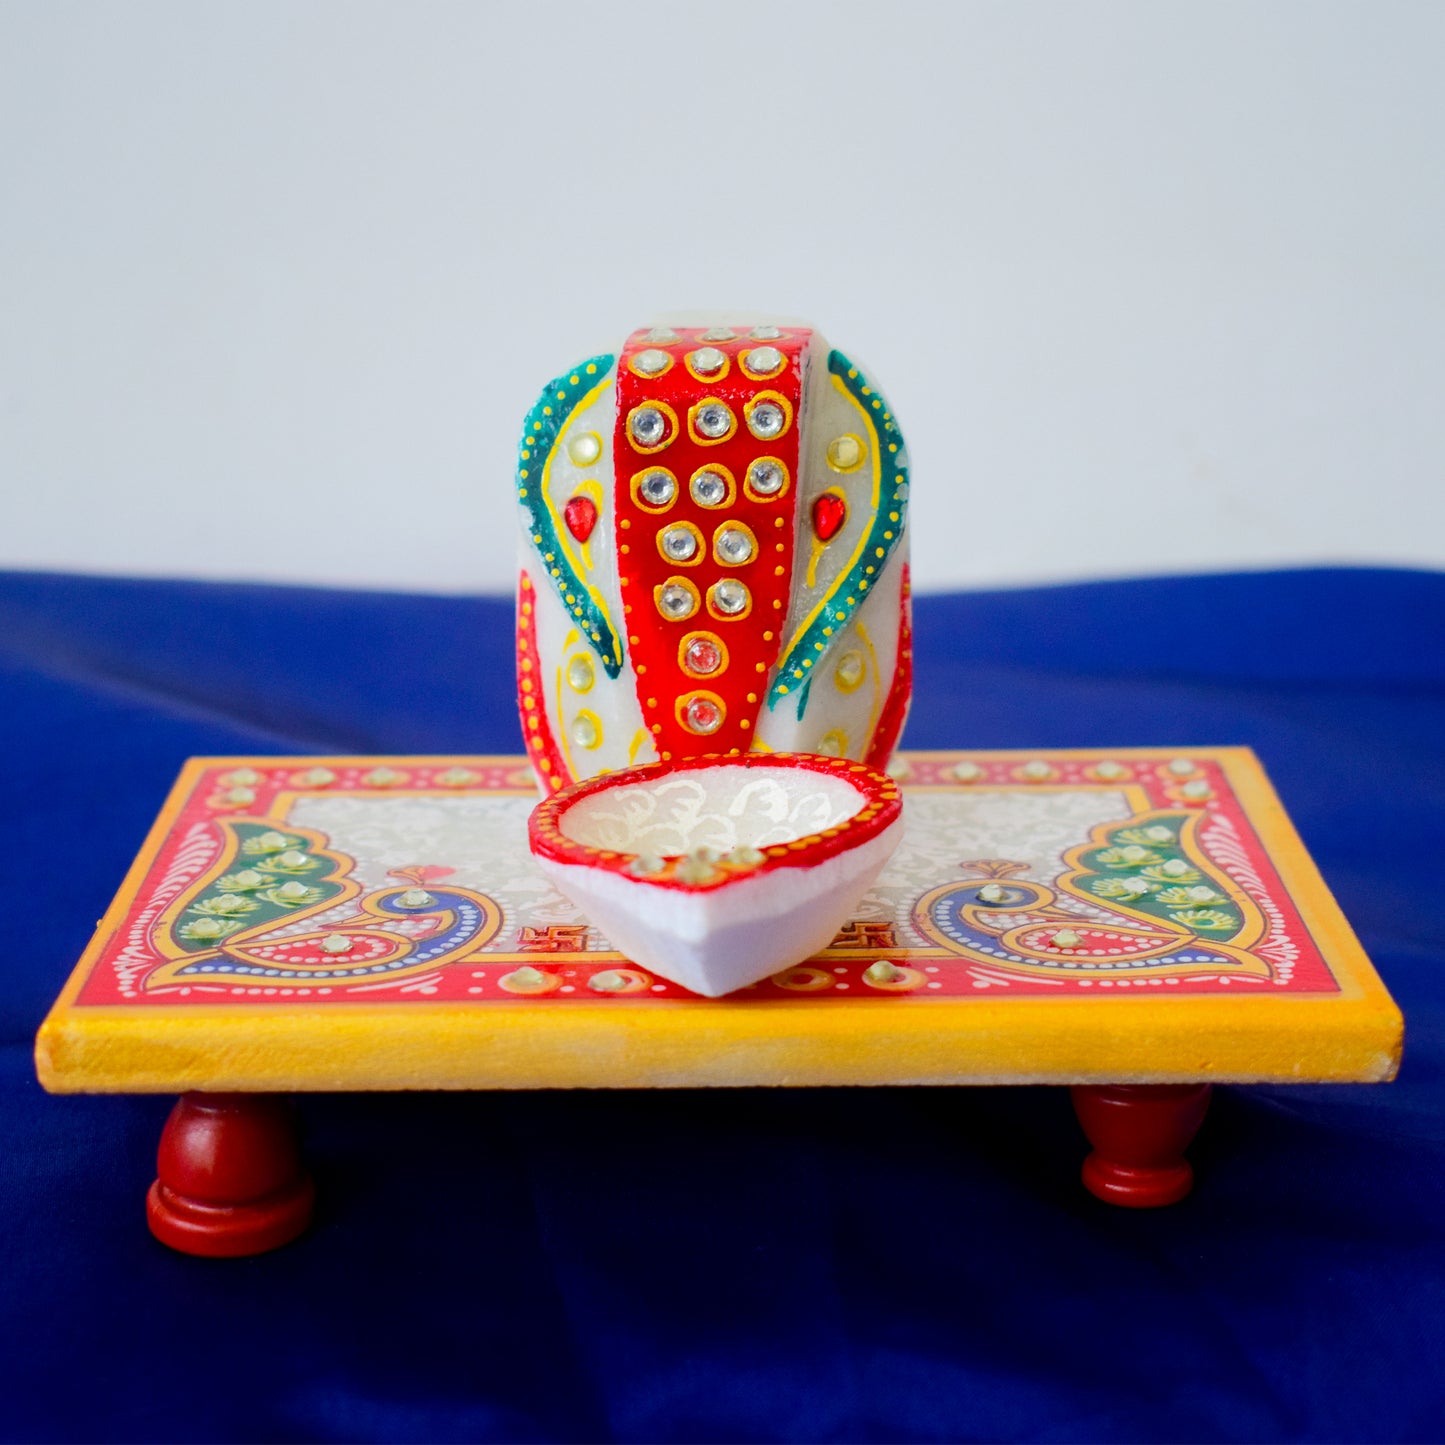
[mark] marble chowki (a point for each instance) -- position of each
(741, 881)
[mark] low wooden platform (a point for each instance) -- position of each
(1217, 954)
(1140, 917)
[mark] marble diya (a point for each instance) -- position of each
(718, 871)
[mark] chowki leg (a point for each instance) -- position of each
(1139, 1133)
(231, 1181)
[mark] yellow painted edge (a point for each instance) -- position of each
(607, 1044)
(1313, 900)
(1351, 1036)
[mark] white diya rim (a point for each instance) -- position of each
(851, 804)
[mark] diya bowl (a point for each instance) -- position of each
(718, 871)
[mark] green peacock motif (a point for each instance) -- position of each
(1146, 867)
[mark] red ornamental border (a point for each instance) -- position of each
(882, 806)
(547, 758)
(900, 694)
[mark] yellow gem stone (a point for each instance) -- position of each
(336, 943)
(457, 777)
(849, 671)
(697, 867)
(585, 448)
(581, 674)
(883, 972)
(845, 453)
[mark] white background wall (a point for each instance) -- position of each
(1153, 287)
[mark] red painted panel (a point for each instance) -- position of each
(724, 677)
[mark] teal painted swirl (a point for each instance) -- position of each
(850, 591)
(544, 424)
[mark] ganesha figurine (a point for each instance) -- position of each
(714, 582)
(715, 555)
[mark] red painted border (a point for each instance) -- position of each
(551, 766)
(900, 693)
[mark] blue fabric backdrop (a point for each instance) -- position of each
(815, 1265)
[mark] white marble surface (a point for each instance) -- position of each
(485, 841)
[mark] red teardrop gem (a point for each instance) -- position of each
(580, 515)
(830, 511)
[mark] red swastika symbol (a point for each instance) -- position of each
(866, 935)
(554, 938)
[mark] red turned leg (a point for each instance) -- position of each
(1139, 1133)
(230, 1177)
